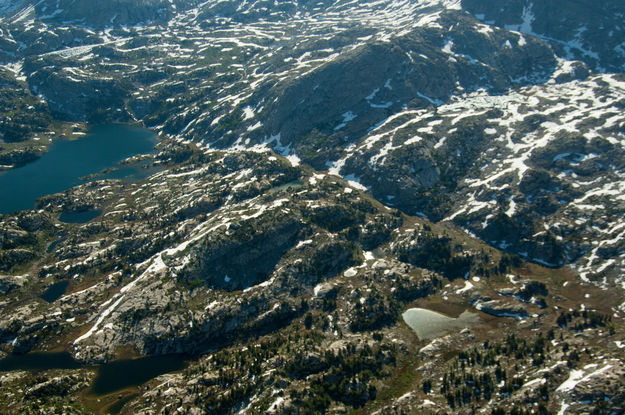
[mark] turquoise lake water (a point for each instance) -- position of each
(67, 161)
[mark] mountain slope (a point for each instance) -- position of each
(583, 30)
(324, 167)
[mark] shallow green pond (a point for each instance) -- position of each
(430, 324)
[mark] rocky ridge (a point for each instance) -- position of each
(281, 83)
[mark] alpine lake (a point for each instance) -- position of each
(68, 163)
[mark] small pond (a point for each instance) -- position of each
(121, 374)
(83, 216)
(110, 377)
(55, 291)
(38, 362)
(429, 324)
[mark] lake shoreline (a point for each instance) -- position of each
(429, 325)
(68, 161)
(111, 377)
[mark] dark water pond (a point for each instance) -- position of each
(67, 161)
(55, 291)
(80, 217)
(38, 362)
(295, 184)
(110, 377)
(54, 244)
(124, 373)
